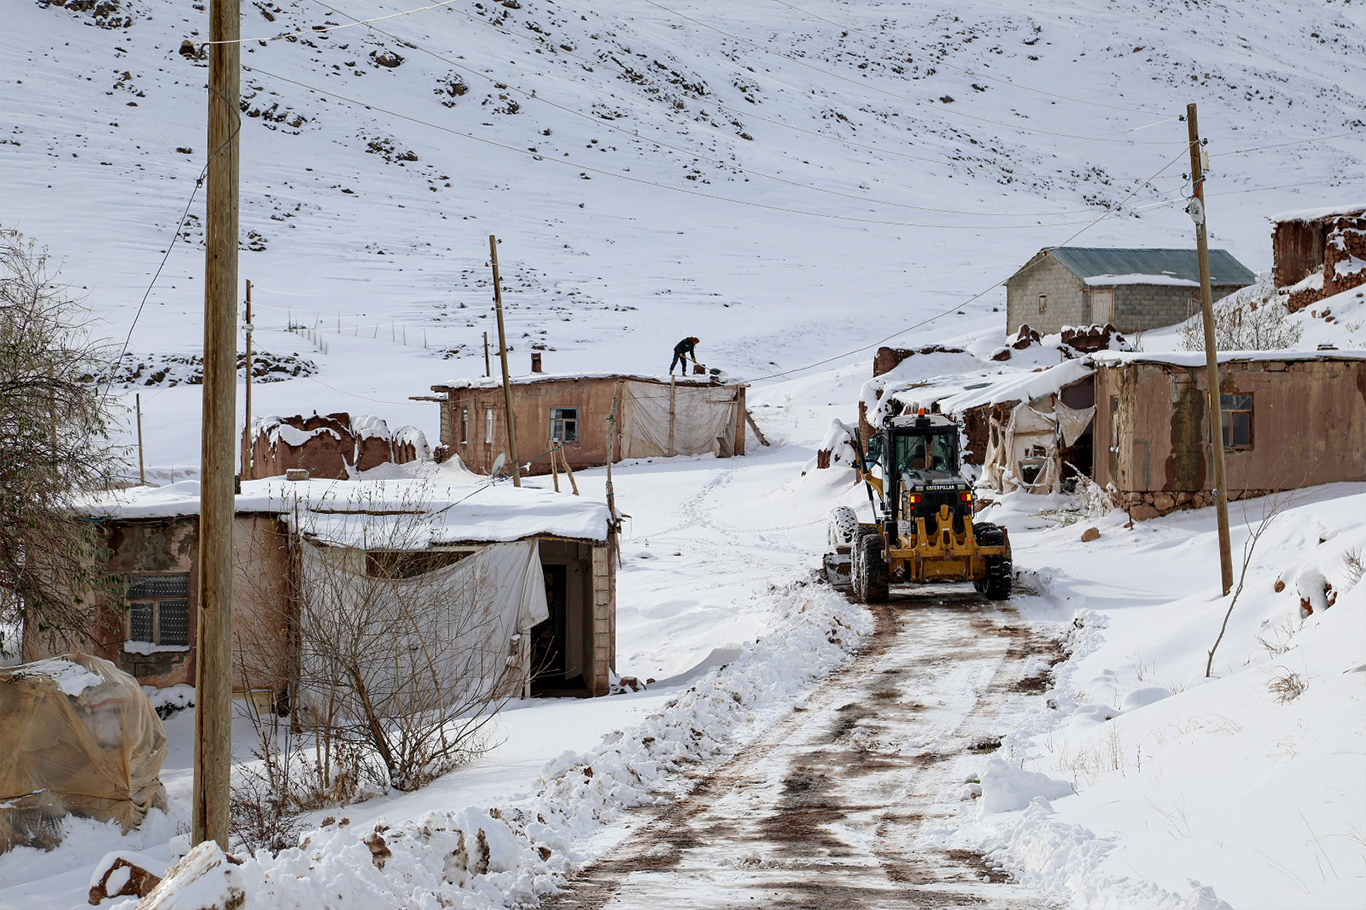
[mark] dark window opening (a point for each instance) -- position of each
(564, 424)
(409, 564)
(159, 609)
(1237, 421)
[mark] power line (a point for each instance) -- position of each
(641, 181)
(598, 122)
(745, 113)
(320, 29)
(1281, 145)
(974, 74)
(958, 306)
(868, 85)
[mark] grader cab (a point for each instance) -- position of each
(923, 508)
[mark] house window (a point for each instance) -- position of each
(1237, 420)
(564, 424)
(488, 425)
(464, 425)
(159, 609)
(1043, 303)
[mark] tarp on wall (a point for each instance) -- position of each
(1024, 451)
(700, 414)
(451, 638)
(81, 737)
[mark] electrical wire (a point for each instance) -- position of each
(643, 182)
(1281, 145)
(749, 113)
(867, 85)
(320, 29)
(972, 73)
(696, 156)
(958, 306)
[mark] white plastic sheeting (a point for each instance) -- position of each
(698, 414)
(451, 633)
(1024, 450)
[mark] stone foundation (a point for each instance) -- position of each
(1143, 505)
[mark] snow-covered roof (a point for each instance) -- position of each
(493, 382)
(1319, 213)
(435, 505)
(1197, 358)
(1149, 266)
(963, 393)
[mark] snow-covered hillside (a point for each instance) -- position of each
(788, 181)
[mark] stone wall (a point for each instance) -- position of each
(1145, 506)
(1044, 275)
(1344, 244)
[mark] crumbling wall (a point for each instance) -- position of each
(1341, 253)
(331, 446)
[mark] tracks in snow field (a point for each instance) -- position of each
(841, 804)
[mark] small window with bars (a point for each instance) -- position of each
(1237, 421)
(464, 425)
(564, 424)
(159, 609)
(488, 425)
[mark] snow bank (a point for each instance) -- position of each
(507, 856)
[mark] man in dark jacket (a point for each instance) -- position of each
(682, 351)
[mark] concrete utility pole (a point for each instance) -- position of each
(246, 419)
(1216, 416)
(213, 654)
(503, 358)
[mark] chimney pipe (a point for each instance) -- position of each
(535, 361)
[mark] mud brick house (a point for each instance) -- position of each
(1130, 289)
(333, 446)
(561, 625)
(1291, 420)
(1317, 253)
(655, 418)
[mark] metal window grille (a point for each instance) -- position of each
(159, 609)
(564, 424)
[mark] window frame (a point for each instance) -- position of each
(488, 426)
(558, 423)
(1229, 407)
(156, 604)
(1043, 303)
(464, 426)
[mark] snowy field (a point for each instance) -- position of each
(795, 184)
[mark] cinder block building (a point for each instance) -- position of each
(1130, 289)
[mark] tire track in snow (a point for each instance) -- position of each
(843, 802)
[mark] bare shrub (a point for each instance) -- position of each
(400, 659)
(1288, 686)
(1354, 564)
(1271, 508)
(55, 428)
(1252, 319)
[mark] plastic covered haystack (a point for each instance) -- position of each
(81, 738)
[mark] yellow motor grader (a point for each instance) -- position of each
(923, 508)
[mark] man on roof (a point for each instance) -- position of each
(682, 351)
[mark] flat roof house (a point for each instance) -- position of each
(1290, 420)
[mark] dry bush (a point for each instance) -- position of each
(54, 445)
(1252, 319)
(1354, 564)
(1288, 686)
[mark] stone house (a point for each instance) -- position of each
(152, 540)
(1317, 253)
(1290, 420)
(653, 418)
(1130, 289)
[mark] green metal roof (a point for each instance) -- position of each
(1091, 262)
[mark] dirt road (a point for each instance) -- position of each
(838, 805)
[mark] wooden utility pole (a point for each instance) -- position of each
(1216, 416)
(488, 370)
(213, 654)
(246, 422)
(503, 358)
(142, 468)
